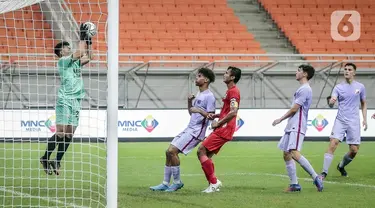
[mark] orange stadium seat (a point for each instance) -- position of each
(25, 31)
(146, 26)
(307, 24)
(176, 26)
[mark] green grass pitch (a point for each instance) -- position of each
(253, 175)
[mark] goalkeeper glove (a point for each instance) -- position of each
(83, 32)
(88, 41)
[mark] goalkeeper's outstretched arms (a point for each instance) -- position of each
(85, 59)
(83, 46)
(83, 53)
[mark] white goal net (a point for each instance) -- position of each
(30, 80)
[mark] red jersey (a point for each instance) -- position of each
(232, 98)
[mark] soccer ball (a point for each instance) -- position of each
(91, 31)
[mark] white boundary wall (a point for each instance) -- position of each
(162, 123)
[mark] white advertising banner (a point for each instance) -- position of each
(319, 124)
(41, 123)
(162, 123)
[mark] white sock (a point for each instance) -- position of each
(167, 175)
(327, 162)
(176, 174)
(305, 164)
(292, 173)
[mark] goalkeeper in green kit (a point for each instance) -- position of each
(70, 94)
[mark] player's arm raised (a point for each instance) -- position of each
(364, 108)
(211, 104)
(190, 103)
(200, 111)
(232, 113)
(88, 55)
(82, 46)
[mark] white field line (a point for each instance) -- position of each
(271, 175)
(221, 156)
(24, 195)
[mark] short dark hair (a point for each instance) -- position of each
(308, 69)
(59, 47)
(352, 65)
(236, 72)
(208, 73)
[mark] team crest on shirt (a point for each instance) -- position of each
(357, 91)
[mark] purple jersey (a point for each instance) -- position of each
(298, 122)
(348, 98)
(198, 124)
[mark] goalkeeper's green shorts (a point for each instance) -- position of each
(67, 111)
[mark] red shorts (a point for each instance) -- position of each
(214, 142)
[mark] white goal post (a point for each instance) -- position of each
(29, 85)
(112, 104)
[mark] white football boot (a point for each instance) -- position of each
(213, 187)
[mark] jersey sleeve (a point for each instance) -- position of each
(234, 98)
(211, 103)
(363, 93)
(335, 92)
(301, 96)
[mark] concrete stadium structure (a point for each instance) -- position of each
(166, 84)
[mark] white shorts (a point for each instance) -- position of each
(185, 142)
(291, 141)
(352, 132)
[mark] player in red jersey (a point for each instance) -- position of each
(224, 128)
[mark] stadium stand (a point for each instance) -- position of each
(307, 25)
(174, 26)
(25, 27)
(193, 26)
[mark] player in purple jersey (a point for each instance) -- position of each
(295, 130)
(199, 107)
(349, 94)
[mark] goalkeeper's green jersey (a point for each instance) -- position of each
(72, 86)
